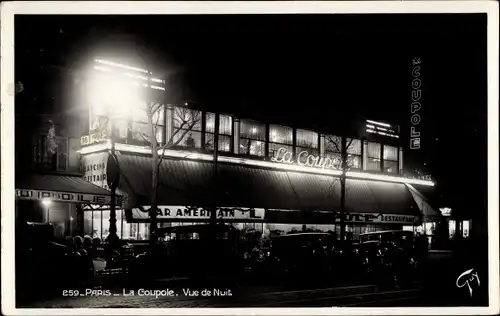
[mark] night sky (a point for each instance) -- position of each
(326, 70)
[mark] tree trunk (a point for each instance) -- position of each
(213, 213)
(343, 157)
(155, 175)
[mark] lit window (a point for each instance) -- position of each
(280, 137)
(62, 153)
(120, 130)
(51, 154)
(225, 132)
(429, 228)
(187, 127)
(307, 141)
(391, 164)
(373, 156)
(252, 138)
(333, 147)
(87, 223)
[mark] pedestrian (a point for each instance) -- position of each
(70, 243)
(87, 242)
(78, 242)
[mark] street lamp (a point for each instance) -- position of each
(47, 203)
(115, 93)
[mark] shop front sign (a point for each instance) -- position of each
(93, 138)
(94, 169)
(303, 158)
(377, 218)
(445, 211)
(416, 106)
(173, 213)
(25, 194)
(99, 132)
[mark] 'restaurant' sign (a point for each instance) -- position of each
(24, 194)
(377, 218)
(303, 158)
(172, 213)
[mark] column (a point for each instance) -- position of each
(382, 169)
(365, 154)
(267, 142)
(400, 160)
(321, 144)
(169, 122)
(236, 135)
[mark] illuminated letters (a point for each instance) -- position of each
(415, 107)
(299, 158)
(416, 95)
(304, 159)
(413, 132)
(415, 119)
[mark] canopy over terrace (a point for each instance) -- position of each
(285, 196)
(61, 188)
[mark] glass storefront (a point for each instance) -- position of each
(96, 224)
(463, 227)
(352, 230)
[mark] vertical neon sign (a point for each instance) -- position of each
(416, 95)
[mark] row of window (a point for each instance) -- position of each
(50, 154)
(253, 137)
(196, 129)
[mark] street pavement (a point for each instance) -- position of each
(244, 296)
(438, 278)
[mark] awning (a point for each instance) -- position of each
(425, 207)
(61, 188)
(190, 183)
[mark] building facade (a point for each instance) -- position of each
(49, 185)
(269, 177)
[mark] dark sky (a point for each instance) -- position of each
(311, 69)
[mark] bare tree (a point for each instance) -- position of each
(185, 119)
(344, 162)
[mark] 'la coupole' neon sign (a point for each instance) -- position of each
(305, 159)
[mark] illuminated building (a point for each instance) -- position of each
(270, 177)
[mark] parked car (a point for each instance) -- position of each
(192, 250)
(302, 254)
(390, 255)
(41, 261)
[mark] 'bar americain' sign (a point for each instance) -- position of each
(193, 212)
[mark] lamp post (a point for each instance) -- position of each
(118, 94)
(112, 237)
